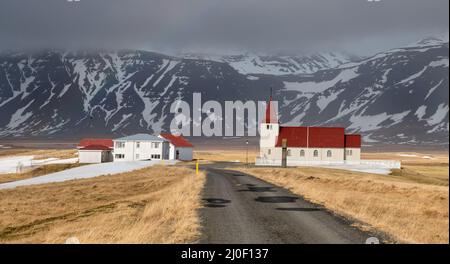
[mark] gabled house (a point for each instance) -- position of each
(179, 147)
(135, 147)
(140, 147)
(95, 150)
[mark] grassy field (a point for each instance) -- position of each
(159, 204)
(40, 153)
(411, 205)
(225, 155)
(428, 167)
(153, 205)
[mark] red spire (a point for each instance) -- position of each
(271, 116)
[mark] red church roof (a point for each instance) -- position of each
(296, 136)
(96, 142)
(326, 137)
(316, 137)
(353, 141)
(177, 141)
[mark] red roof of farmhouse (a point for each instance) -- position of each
(95, 147)
(96, 142)
(177, 141)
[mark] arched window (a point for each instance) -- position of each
(316, 153)
(329, 153)
(302, 153)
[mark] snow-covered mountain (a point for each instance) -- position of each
(66, 94)
(397, 96)
(249, 64)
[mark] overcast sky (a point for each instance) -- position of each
(221, 26)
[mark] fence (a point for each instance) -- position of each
(15, 164)
(391, 164)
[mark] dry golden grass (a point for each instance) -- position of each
(40, 153)
(152, 205)
(225, 155)
(435, 174)
(38, 171)
(408, 212)
(434, 157)
(421, 167)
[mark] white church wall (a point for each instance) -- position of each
(337, 154)
(352, 154)
(269, 134)
(270, 153)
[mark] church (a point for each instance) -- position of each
(299, 145)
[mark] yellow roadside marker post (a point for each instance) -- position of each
(196, 167)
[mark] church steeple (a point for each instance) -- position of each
(271, 115)
(269, 127)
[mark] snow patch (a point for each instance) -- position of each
(19, 117)
(324, 101)
(318, 87)
(432, 89)
(168, 67)
(421, 111)
(439, 115)
(439, 63)
(372, 122)
(83, 172)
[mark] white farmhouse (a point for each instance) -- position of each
(140, 147)
(179, 147)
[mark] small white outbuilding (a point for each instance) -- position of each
(94, 154)
(179, 147)
(95, 150)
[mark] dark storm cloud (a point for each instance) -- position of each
(220, 25)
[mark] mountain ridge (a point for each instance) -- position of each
(398, 96)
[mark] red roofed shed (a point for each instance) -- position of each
(96, 147)
(95, 153)
(96, 142)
